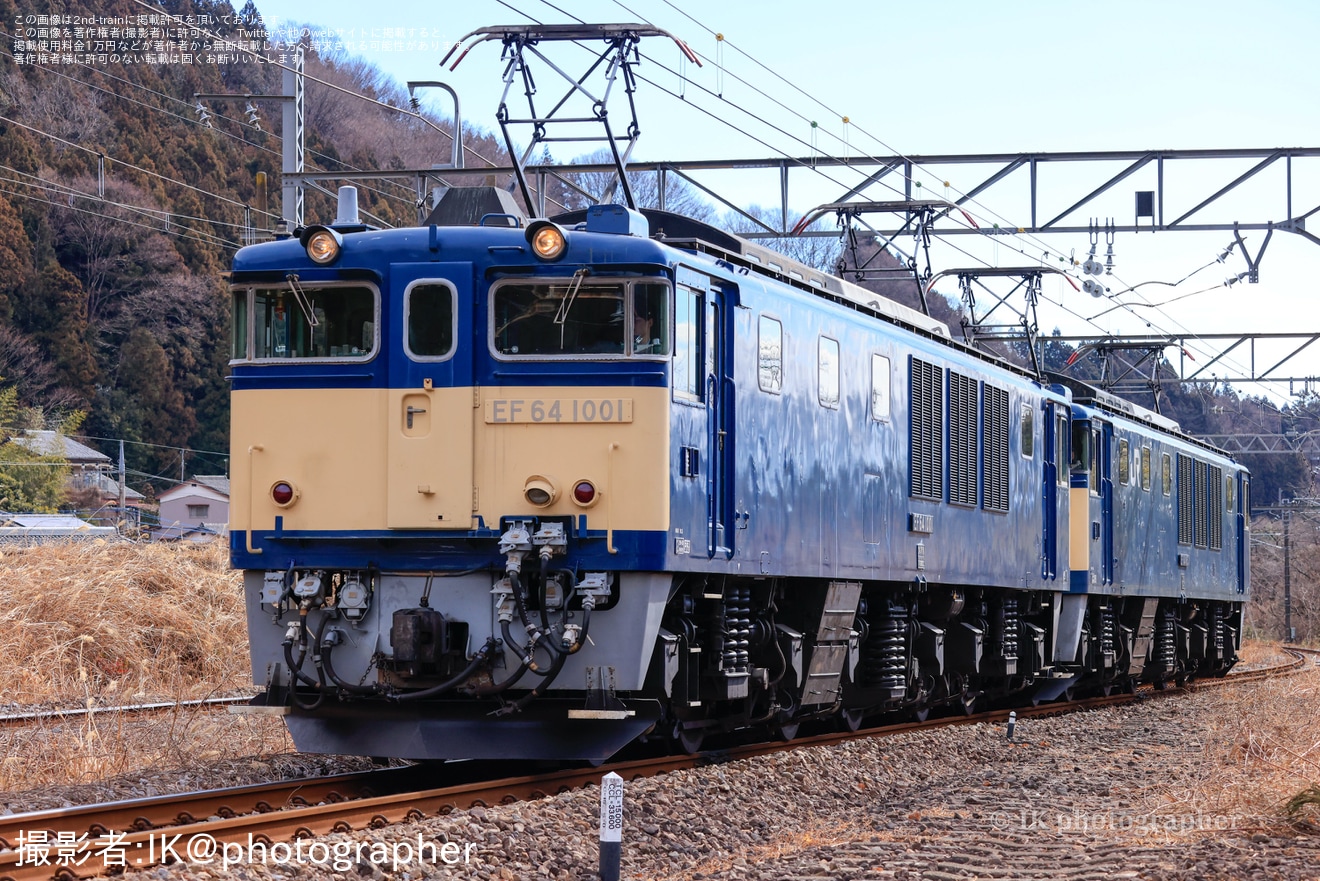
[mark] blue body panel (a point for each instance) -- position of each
(1145, 555)
(823, 492)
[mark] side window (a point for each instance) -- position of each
(687, 343)
(1124, 462)
(1096, 456)
(1228, 494)
(770, 355)
(1061, 450)
(430, 316)
(1166, 473)
(828, 364)
(879, 388)
(1145, 468)
(1028, 432)
(649, 330)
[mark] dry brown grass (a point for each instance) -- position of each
(107, 624)
(119, 622)
(1259, 752)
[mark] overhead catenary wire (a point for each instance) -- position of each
(192, 120)
(264, 60)
(184, 233)
(1013, 229)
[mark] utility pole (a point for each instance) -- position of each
(1287, 577)
(123, 502)
(295, 137)
(294, 134)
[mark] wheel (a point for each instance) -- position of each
(967, 702)
(786, 730)
(921, 715)
(851, 720)
(689, 739)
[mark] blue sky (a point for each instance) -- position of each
(953, 77)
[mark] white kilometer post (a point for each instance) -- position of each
(611, 826)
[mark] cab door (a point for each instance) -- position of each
(429, 418)
(1243, 523)
(1055, 470)
(1104, 460)
(719, 415)
(702, 509)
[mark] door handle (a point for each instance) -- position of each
(411, 411)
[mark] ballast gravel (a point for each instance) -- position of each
(1073, 797)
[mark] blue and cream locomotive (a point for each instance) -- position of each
(512, 489)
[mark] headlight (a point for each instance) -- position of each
(547, 240)
(322, 244)
(539, 491)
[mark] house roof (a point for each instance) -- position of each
(193, 489)
(43, 521)
(180, 532)
(108, 487)
(50, 443)
(217, 482)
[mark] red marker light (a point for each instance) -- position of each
(282, 493)
(584, 493)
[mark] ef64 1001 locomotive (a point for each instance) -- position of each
(511, 489)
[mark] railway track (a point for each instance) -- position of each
(16, 720)
(197, 826)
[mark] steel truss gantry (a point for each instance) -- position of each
(1121, 374)
(1021, 176)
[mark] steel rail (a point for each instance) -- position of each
(62, 713)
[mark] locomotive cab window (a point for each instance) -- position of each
(1081, 448)
(331, 321)
(1145, 468)
(574, 318)
(429, 315)
(1124, 462)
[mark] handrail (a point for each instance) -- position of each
(252, 519)
(609, 501)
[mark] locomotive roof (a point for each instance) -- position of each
(1090, 396)
(684, 232)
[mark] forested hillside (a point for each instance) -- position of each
(120, 207)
